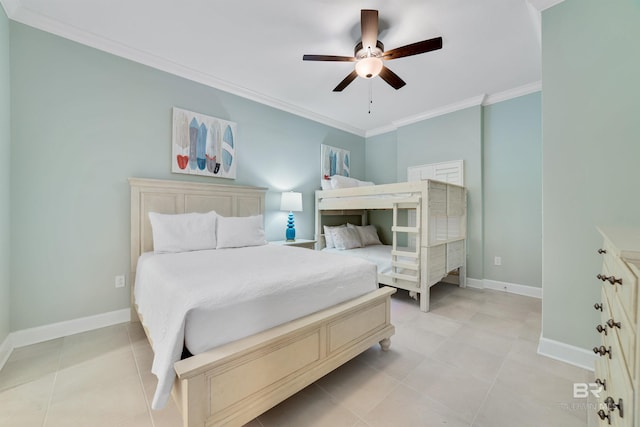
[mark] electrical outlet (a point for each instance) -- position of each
(497, 261)
(120, 281)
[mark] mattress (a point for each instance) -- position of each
(204, 299)
(380, 255)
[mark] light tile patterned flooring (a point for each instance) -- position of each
(471, 361)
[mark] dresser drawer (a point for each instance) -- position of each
(625, 331)
(620, 392)
(621, 278)
(618, 362)
(627, 290)
(603, 378)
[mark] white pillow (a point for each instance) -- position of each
(183, 232)
(325, 184)
(368, 234)
(328, 236)
(240, 231)
(346, 238)
(338, 181)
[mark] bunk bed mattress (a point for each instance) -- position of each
(204, 299)
(380, 255)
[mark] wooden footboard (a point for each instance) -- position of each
(233, 384)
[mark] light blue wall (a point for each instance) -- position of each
(512, 175)
(5, 145)
(83, 122)
(454, 136)
(591, 152)
(381, 158)
(502, 150)
(381, 168)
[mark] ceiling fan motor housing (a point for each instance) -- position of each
(360, 52)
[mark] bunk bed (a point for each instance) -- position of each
(436, 239)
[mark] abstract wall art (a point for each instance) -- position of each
(203, 145)
(335, 161)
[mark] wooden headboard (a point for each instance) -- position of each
(173, 197)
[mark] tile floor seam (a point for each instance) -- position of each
(429, 397)
(144, 393)
(488, 393)
(381, 401)
(53, 385)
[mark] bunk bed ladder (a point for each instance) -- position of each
(413, 265)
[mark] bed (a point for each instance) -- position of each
(240, 378)
(436, 234)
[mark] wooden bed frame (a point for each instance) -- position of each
(234, 383)
(440, 230)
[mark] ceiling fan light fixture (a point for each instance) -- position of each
(369, 67)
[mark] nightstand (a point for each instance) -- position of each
(300, 243)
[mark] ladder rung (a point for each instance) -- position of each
(399, 229)
(405, 254)
(404, 277)
(405, 265)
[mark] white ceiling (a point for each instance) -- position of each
(491, 50)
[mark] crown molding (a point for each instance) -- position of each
(27, 17)
(10, 7)
(466, 103)
(483, 100)
(16, 12)
(380, 130)
(544, 4)
(513, 93)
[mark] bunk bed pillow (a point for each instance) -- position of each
(325, 184)
(328, 235)
(338, 181)
(183, 232)
(346, 238)
(367, 233)
(240, 231)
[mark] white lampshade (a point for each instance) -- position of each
(369, 67)
(291, 201)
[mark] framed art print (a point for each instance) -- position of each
(203, 145)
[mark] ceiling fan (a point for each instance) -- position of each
(369, 54)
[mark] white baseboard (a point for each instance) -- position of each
(567, 353)
(512, 288)
(5, 350)
(529, 291)
(474, 283)
(69, 327)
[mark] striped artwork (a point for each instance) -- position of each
(203, 145)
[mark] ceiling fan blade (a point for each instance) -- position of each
(413, 49)
(369, 27)
(392, 78)
(328, 58)
(347, 80)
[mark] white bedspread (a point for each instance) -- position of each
(243, 291)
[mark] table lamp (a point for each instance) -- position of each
(291, 201)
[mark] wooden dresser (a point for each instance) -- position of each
(617, 368)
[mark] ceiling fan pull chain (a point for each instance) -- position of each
(370, 94)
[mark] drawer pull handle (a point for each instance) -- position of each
(602, 383)
(612, 405)
(613, 324)
(598, 306)
(601, 329)
(602, 251)
(613, 280)
(602, 350)
(604, 416)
